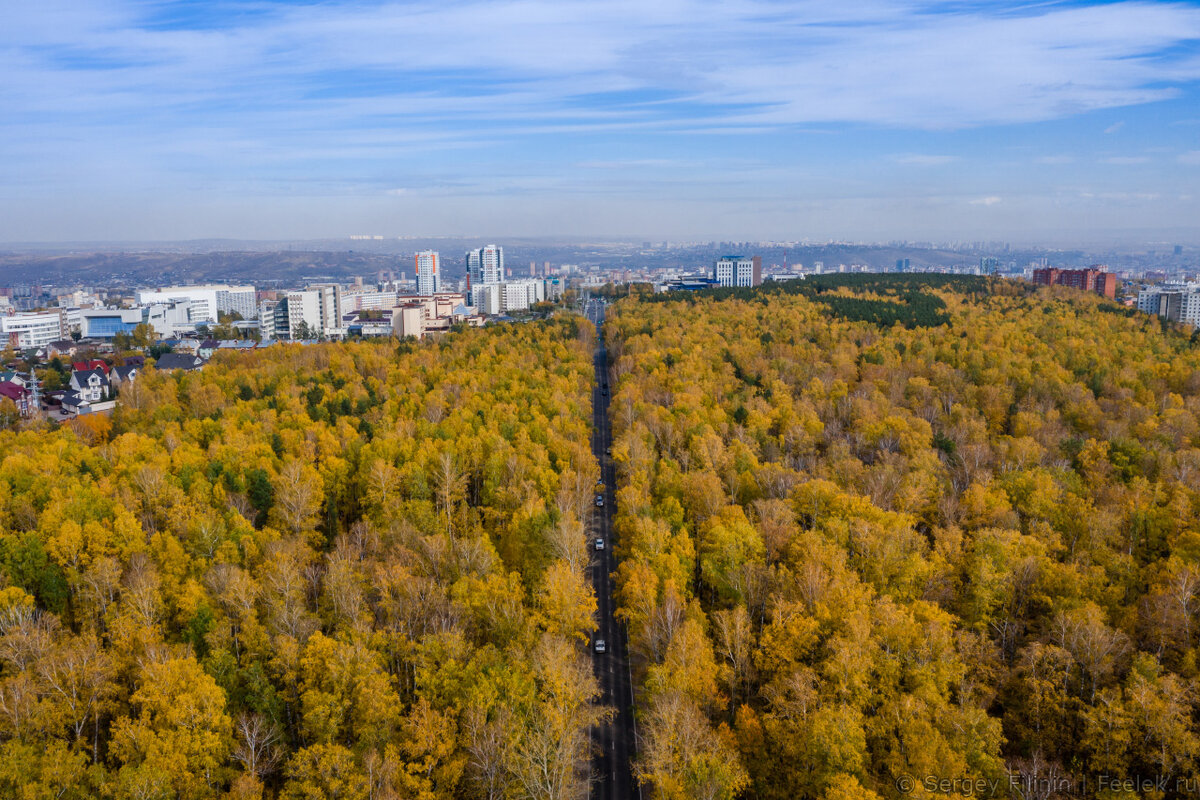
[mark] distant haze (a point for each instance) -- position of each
(680, 119)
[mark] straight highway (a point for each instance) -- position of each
(615, 740)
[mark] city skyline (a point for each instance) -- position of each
(679, 120)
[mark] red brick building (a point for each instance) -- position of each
(1095, 278)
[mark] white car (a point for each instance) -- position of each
(599, 544)
(599, 500)
(601, 646)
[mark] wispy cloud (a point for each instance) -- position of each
(631, 163)
(1116, 126)
(619, 61)
(1050, 160)
(985, 201)
(153, 95)
(1191, 157)
(922, 160)
(1125, 161)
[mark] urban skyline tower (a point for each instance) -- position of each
(485, 265)
(429, 278)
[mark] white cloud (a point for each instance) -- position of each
(547, 95)
(985, 201)
(881, 61)
(1116, 126)
(1125, 160)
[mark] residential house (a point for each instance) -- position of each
(75, 403)
(172, 361)
(62, 348)
(125, 374)
(94, 364)
(183, 345)
(18, 378)
(92, 385)
(208, 347)
(21, 397)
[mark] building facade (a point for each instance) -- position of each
(105, 323)
(329, 309)
(738, 271)
(208, 301)
(429, 279)
(1175, 302)
(485, 265)
(1095, 278)
(34, 329)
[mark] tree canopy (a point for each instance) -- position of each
(877, 528)
(340, 570)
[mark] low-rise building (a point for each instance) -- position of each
(34, 329)
(409, 319)
(208, 301)
(105, 323)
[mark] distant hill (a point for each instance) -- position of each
(133, 268)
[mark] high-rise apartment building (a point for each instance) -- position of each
(485, 265)
(1177, 302)
(312, 313)
(1095, 278)
(738, 271)
(429, 279)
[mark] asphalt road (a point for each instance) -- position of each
(615, 742)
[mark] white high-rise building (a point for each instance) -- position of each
(1177, 302)
(485, 265)
(298, 316)
(314, 312)
(429, 279)
(738, 271)
(498, 298)
(486, 298)
(208, 301)
(329, 305)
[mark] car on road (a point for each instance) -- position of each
(599, 500)
(608, 451)
(599, 543)
(601, 646)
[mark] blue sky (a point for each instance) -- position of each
(679, 119)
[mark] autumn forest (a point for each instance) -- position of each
(873, 533)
